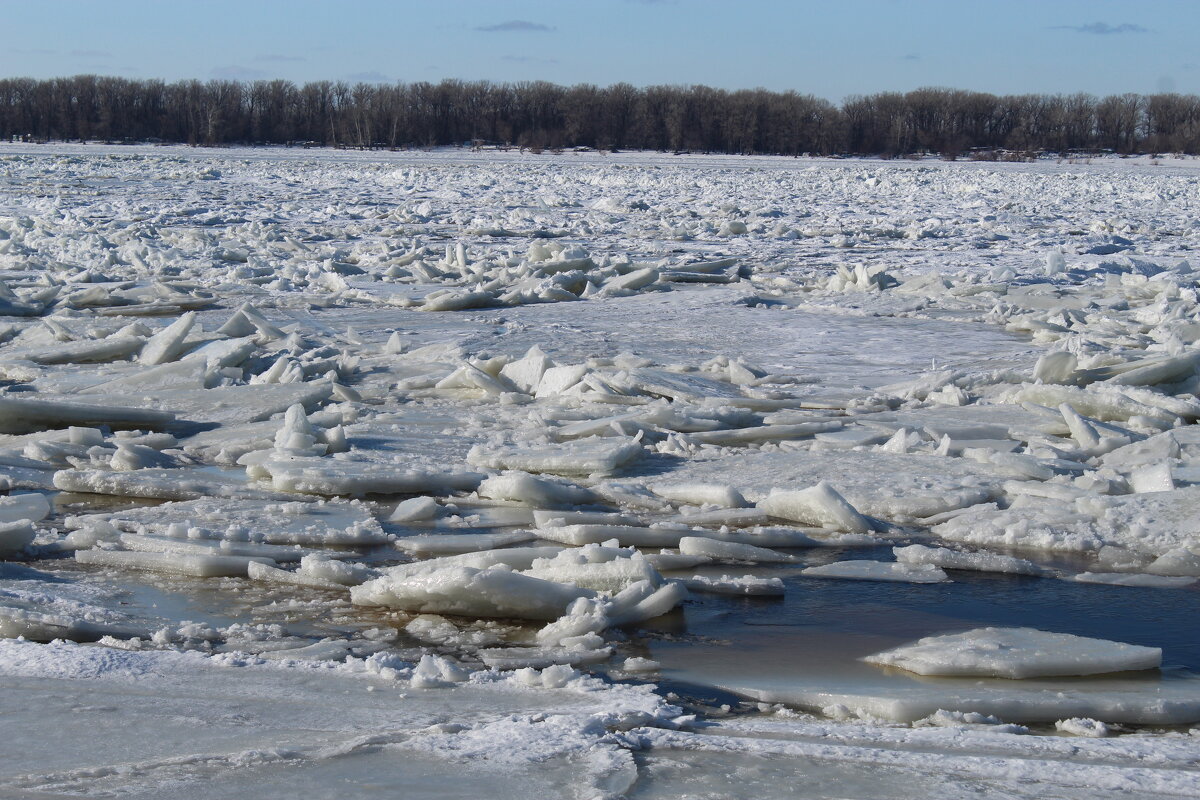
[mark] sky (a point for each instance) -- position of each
(830, 49)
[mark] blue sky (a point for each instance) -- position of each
(831, 49)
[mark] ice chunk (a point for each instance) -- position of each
(1152, 477)
(1017, 653)
(18, 415)
(778, 536)
(435, 671)
(1083, 726)
(248, 320)
(644, 600)
(534, 491)
(639, 664)
(818, 505)
(521, 658)
(723, 518)
(879, 571)
(131, 456)
(556, 380)
(156, 544)
(437, 545)
(1139, 580)
(268, 574)
(1056, 367)
(1151, 522)
(111, 348)
(666, 561)
(335, 477)
(465, 591)
(978, 562)
(627, 535)
(167, 344)
(744, 586)
(701, 494)
(764, 433)
(593, 567)
(324, 566)
(548, 519)
(15, 536)
(730, 551)
(637, 279)
(175, 563)
(582, 457)
(322, 523)
(526, 373)
(1180, 561)
(159, 484)
(515, 558)
(45, 627)
(414, 509)
(32, 507)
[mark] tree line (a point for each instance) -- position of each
(542, 115)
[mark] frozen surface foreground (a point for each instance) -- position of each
(463, 474)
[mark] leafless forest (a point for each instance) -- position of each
(541, 115)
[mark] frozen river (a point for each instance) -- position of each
(459, 473)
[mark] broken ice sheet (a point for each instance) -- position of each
(329, 523)
(805, 379)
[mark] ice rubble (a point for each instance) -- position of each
(256, 375)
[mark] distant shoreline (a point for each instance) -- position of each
(539, 116)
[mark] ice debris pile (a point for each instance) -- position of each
(232, 386)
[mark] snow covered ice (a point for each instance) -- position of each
(587, 475)
(1017, 653)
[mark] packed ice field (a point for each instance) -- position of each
(597, 475)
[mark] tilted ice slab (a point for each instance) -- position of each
(746, 585)
(1151, 523)
(448, 544)
(162, 484)
(17, 515)
(626, 535)
(1135, 579)
(317, 523)
(334, 477)
(469, 592)
(1017, 653)
(878, 571)
(21, 415)
(977, 562)
(598, 568)
(226, 405)
(175, 563)
(580, 457)
(897, 487)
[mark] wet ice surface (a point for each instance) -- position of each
(366, 469)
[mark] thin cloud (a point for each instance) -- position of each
(235, 72)
(516, 26)
(1103, 28)
(368, 77)
(910, 57)
(278, 58)
(529, 60)
(91, 53)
